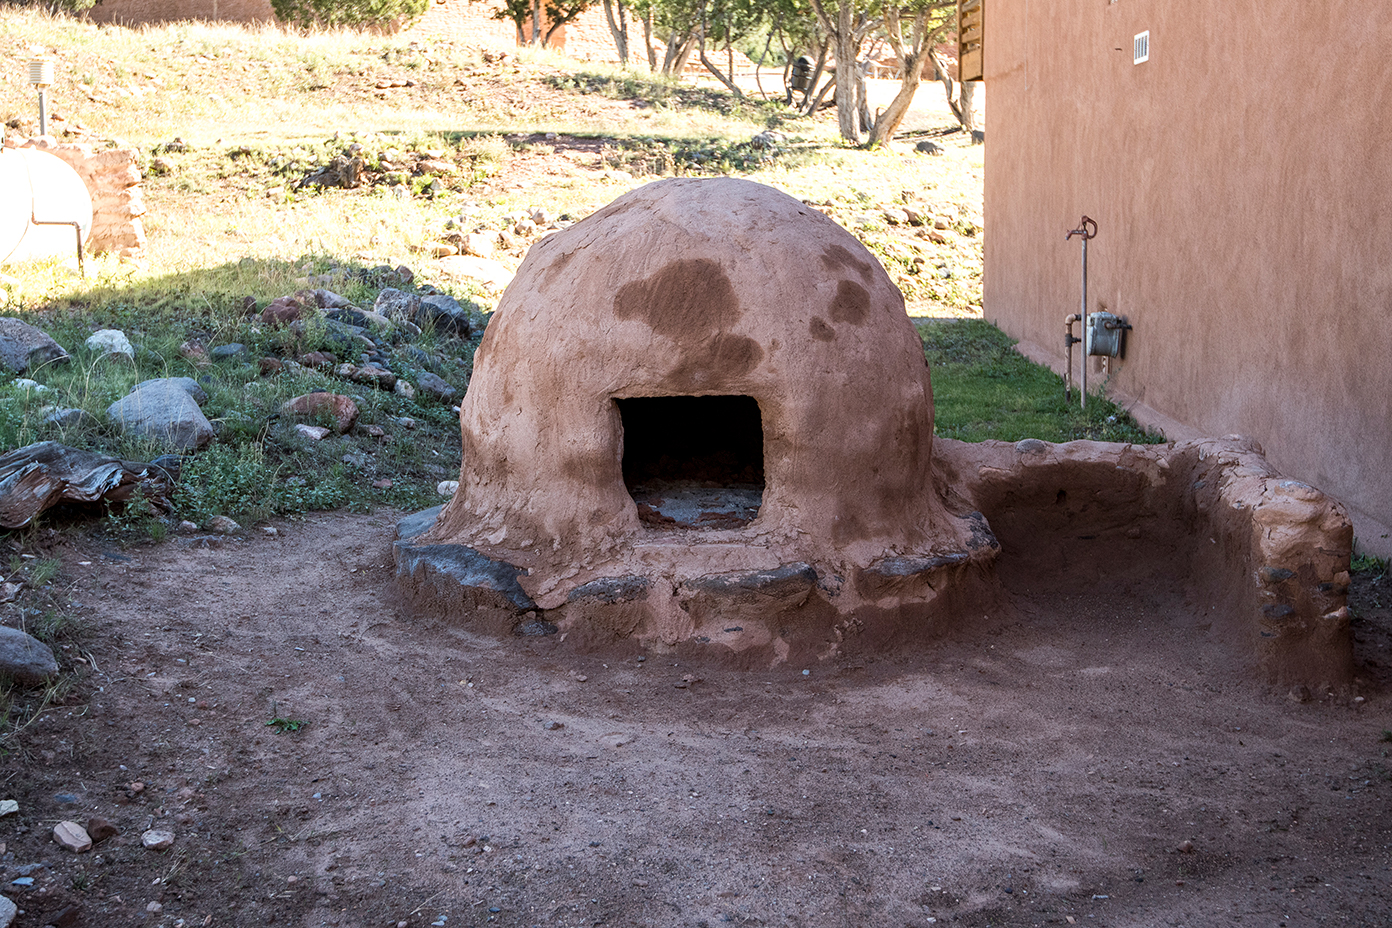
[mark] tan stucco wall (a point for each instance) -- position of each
(1242, 183)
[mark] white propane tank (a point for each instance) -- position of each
(37, 185)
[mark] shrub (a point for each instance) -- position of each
(306, 13)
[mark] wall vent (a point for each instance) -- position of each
(1142, 48)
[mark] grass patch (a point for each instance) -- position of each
(984, 389)
(1368, 565)
(657, 92)
(238, 481)
(41, 608)
(699, 157)
(284, 726)
(257, 467)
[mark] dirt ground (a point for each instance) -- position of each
(1074, 757)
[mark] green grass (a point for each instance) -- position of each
(664, 93)
(984, 389)
(1369, 564)
(285, 726)
(257, 467)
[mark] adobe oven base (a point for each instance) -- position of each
(761, 616)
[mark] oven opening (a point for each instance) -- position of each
(693, 461)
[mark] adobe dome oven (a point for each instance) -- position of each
(702, 417)
(700, 413)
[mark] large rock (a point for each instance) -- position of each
(25, 657)
(327, 299)
(282, 311)
(436, 387)
(446, 314)
(480, 245)
(187, 384)
(396, 304)
(335, 410)
(164, 412)
(66, 417)
(72, 836)
(111, 341)
(24, 348)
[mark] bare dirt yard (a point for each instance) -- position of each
(1074, 755)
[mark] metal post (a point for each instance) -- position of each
(1087, 228)
(41, 76)
(1082, 314)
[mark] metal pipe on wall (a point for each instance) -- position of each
(1069, 340)
(1087, 228)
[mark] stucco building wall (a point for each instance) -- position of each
(1241, 182)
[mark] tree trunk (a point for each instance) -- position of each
(728, 81)
(618, 28)
(966, 112)
(679, 48)
(669, 55)
(962, 105)
(759, 66)
(811, 102)
(647, 39)
(867, 121)
(888, 122)
(911, 57)
(816, 103)
(847, 98)
(536, 22)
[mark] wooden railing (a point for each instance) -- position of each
(969, 35)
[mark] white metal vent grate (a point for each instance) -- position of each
(1142, 48)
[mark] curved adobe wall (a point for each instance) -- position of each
(1270, 555)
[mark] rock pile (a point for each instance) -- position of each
(373, 347)
(465, 236)
(357, 166)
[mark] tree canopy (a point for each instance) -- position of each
(846, 32)
(306, 13)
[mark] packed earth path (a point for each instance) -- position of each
(1083, 755)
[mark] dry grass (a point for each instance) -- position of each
(255, 102)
